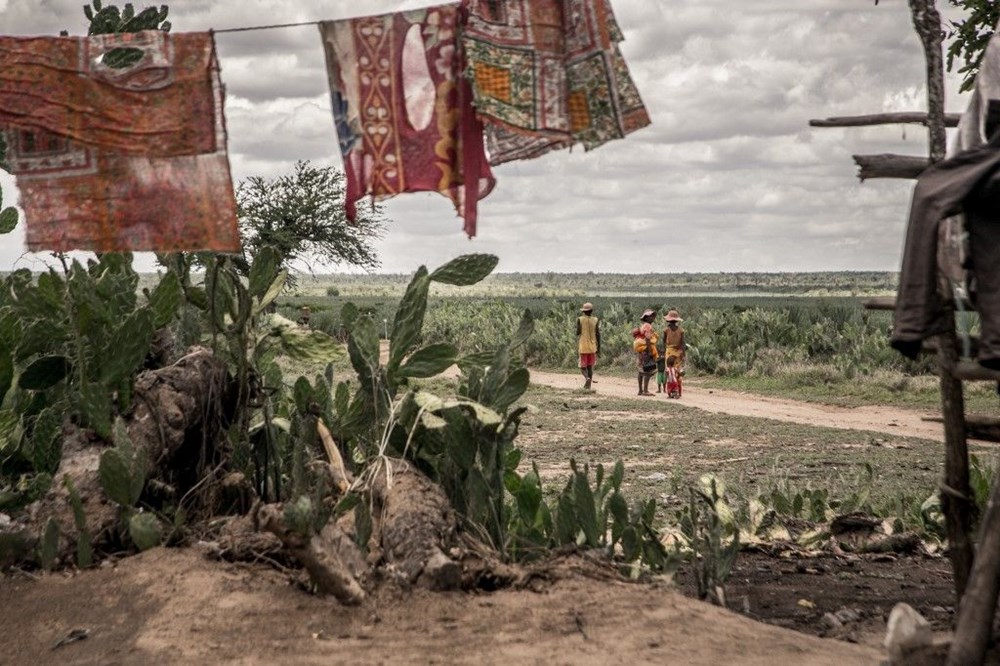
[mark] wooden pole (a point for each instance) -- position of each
(927, 22)
(976, 610)
(887, 165)
(894, 118)
(955, 503)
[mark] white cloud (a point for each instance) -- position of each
(728, 177)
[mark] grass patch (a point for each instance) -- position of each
(666, 447)
(882, 387)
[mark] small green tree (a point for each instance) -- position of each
(108, 20)
(970, 36)
(302, 214)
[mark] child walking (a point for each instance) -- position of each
(673, 377)
(661, 374)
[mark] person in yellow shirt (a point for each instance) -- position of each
(588, 335)
(673, 339)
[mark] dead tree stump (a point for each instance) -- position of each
(174, 413)
(333, 562)
(416, 526)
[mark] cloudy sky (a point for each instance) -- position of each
(729, 176)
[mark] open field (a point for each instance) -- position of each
(667, 445)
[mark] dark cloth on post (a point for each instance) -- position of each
(982, 220)
(943, 189)
(403, 110)
(965, 183)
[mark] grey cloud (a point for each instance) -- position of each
(288, 130)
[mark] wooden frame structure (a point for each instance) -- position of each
(976, 569)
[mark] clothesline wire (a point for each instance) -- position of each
(266, 27)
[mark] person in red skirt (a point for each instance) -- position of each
(588, 334)
(673, 377)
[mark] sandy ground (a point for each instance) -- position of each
(894, 421)
(173, 606)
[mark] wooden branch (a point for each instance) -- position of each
(900, 117)
(330, 557)
(417, 526)
(887, 165)
(977, 427)
(169, 404)
(957, 512)
(927, 22)
(341, 479)
(972, 371)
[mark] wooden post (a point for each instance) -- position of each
(927, 22)
(956, 494)
(893, 118)
(955, 497)
(975, 612)
(955, 501)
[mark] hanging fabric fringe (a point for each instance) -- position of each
(547, 74)
(403, 109)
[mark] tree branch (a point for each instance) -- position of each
(887, 165)
(904, 117)
(927, 22)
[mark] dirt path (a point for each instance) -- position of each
(890, 420)
(875, 418)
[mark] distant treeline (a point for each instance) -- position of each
(857, 283)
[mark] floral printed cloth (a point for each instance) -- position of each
(115, 172)
(162, 104)
(402, 109)
(547, 74)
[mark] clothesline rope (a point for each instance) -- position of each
(266, 27)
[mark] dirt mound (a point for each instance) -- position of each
(174, 606)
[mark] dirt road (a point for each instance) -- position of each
(891, 420)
